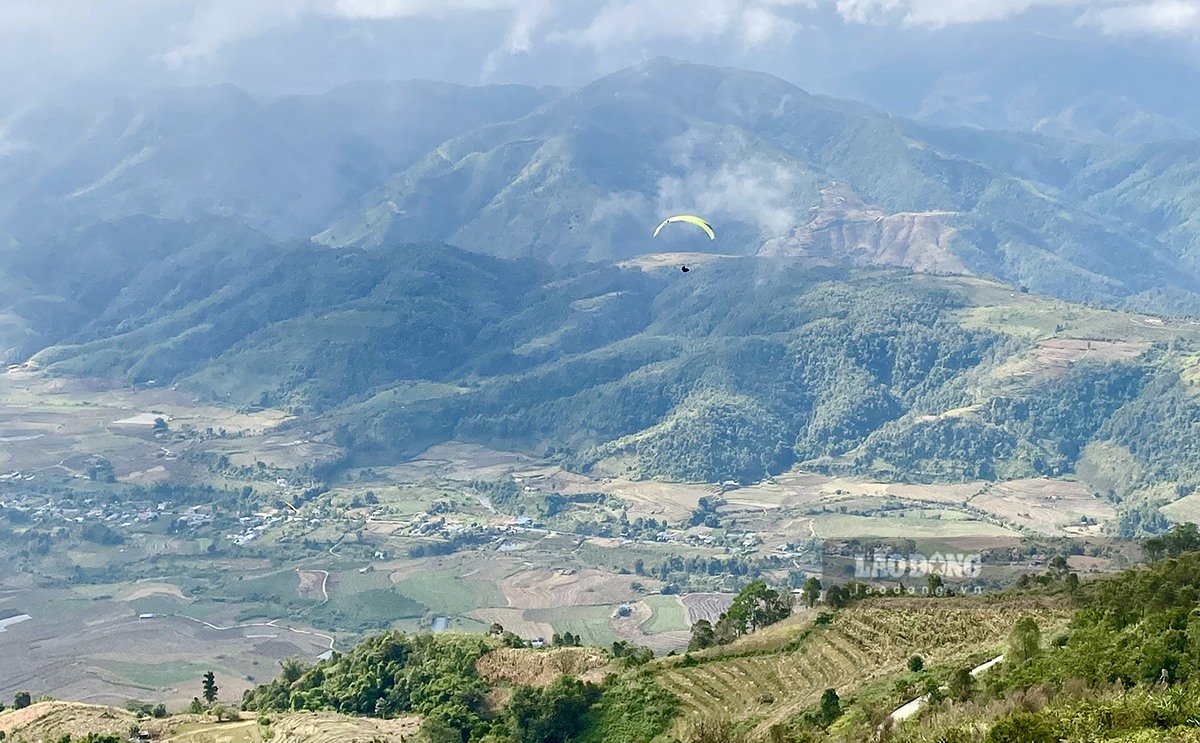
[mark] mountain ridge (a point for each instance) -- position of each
(579, 178)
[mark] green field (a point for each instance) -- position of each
(376, 606)
(156, 675)
(668, 614)
(397, 501)
(350, 582)
(101, 589)
(590, 623)
(846, 526)
(282, 584)
(160, 604)
(447, 592)
(89, 558)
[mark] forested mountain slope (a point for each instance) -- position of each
(583, 176)
(740, 368)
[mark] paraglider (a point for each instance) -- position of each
(685, 269)
(691, 219)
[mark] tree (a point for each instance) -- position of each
(756, 606)
(1183, 538)
(210, 687)
(196, 707)
(933, 582)
(22, 700)
(1025, 642)
(160, 425)
(291, 669)
(436, 730)
(916, 663)
(829, 709)
(1022, 727)
(160, 710)
(1058, 565)
(962, 684)
(812, 591)
(703, 636)
(555, 714)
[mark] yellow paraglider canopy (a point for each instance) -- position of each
(688, 218)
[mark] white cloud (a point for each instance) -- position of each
(752, 22)
(216, 23)
(621, 205)
(943, 12)
(1110, 16)
(755, 191)
(1163, 17)
(527, 19)
(48, 43)
(381, 9)
(752, 189)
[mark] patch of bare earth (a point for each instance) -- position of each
(520, 666)
(52, 720)
(327, 727)
(1057, 354)
(1054, 507)
(144, 590)
(844, 228)
(546, 589)
(313, 585)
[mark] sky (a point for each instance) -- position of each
(76, 47)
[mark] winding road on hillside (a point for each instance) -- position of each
(273, 624)
(906, 711)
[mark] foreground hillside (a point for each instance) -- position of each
(1111, 659)
(51, 720)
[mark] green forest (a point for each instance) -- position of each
(737, 371)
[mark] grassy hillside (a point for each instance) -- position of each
(772, 684)
(52, 720)
(1109, 659)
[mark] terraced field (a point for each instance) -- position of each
(866, 641)
(705, 606)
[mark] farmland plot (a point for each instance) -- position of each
(868, 640)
